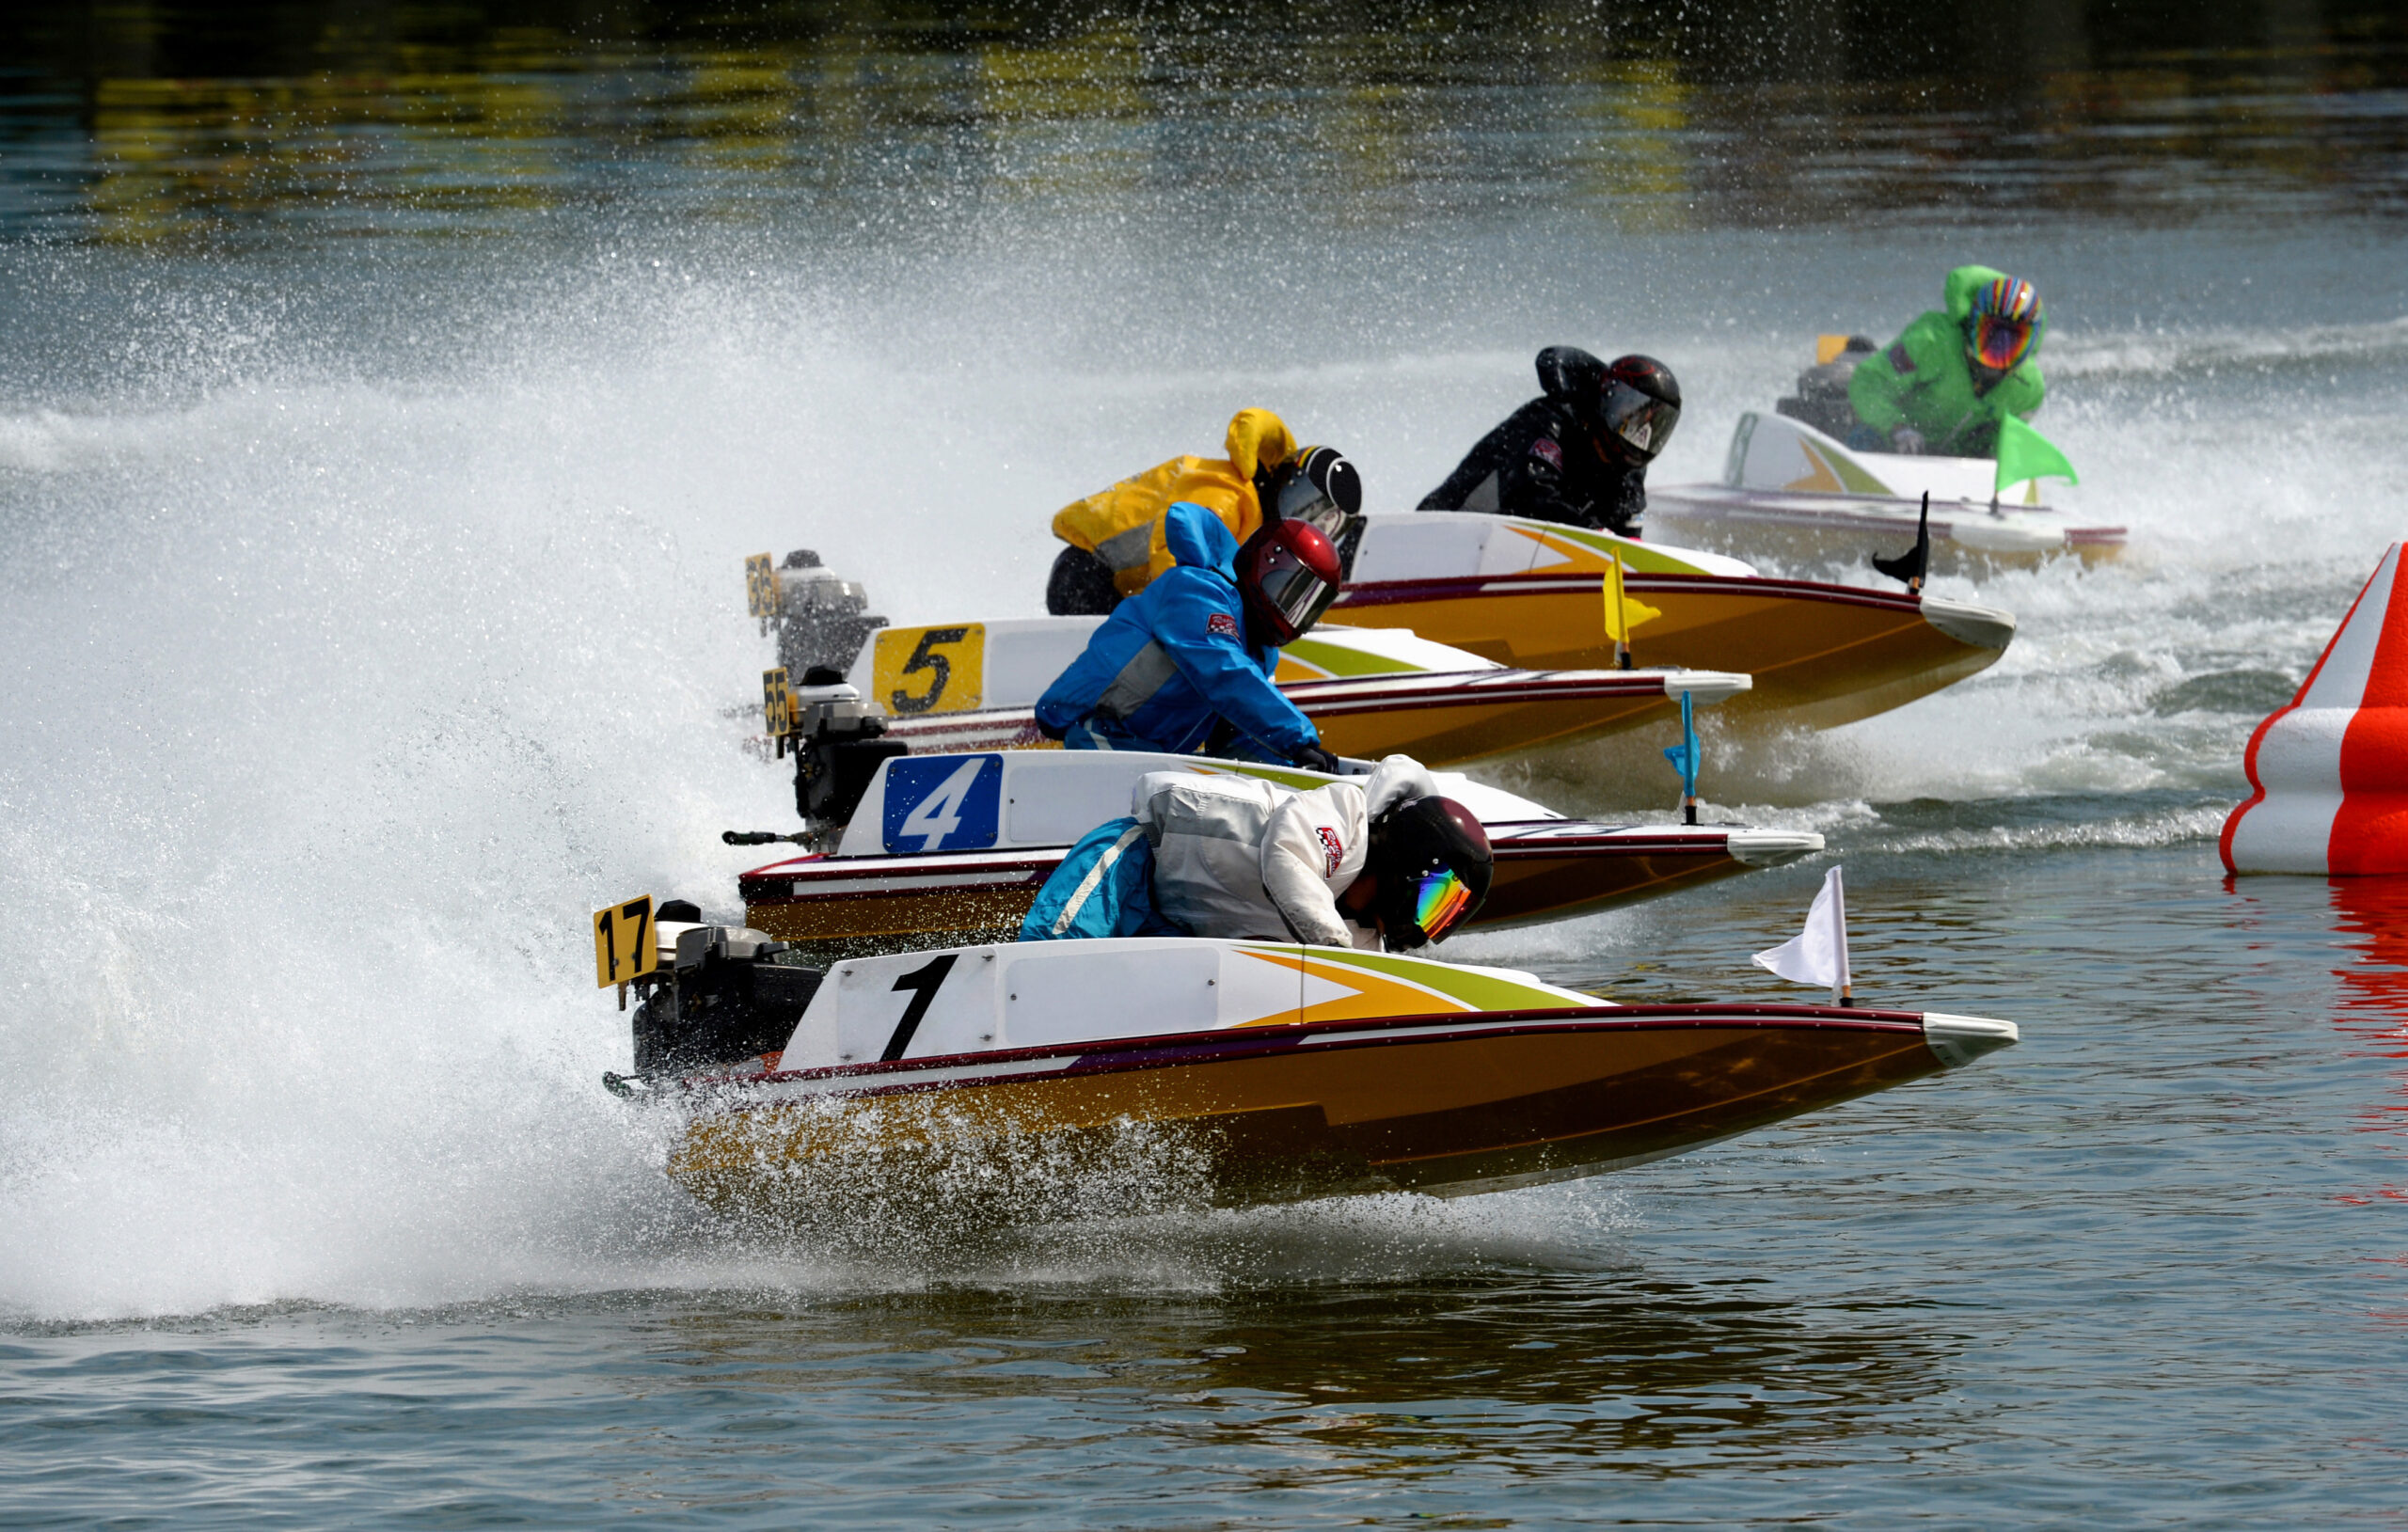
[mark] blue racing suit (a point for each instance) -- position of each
(1104, 887)
(1172, 660)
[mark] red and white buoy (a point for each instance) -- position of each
(2330, 772)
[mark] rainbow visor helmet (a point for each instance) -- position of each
(2005, 318)
(1433, 864)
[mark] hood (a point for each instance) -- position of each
(1257, 439)
(1571, 375)
(1957, 294)
(1200, 540)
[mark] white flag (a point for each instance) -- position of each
(1817, 955)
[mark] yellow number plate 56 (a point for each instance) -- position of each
(929, 670)
(760, 587)
(624, 947)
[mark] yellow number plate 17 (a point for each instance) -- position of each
(624, 946)
(929, 670)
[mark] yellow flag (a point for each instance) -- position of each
(1623, 612)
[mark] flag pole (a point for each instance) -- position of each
(1688, 757)
(1618, 615)
(1843, 993)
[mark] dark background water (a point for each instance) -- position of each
(140, 122)
(388, 394)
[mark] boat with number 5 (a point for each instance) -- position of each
(1284, 1072)
(973, 685)
(1371, 692)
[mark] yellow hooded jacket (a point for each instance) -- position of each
(1123, 525)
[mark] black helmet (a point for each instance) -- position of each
(1639, 406)
(1628, 407)
(1317, 486)
(1433, 864)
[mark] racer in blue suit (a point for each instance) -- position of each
(1197, 648)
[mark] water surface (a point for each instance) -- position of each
(390, 395)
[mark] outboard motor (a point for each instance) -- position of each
(822, 620)
(838, 745)
(1821, 400)
(732, 995)
(836, 736)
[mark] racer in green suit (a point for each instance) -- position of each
(1944, 385)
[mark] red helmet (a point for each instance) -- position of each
(1289, 574)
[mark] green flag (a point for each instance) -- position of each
(2024, 453)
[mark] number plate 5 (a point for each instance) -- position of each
(929, 670)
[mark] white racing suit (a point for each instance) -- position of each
(1217, 855)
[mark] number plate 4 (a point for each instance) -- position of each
(942, 803)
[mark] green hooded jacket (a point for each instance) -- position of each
(1926, 379)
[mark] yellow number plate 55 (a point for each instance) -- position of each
(624, 946)
(929, 670)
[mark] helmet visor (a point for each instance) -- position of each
(1292, 589)
(1320, 488)
(1642, 422)
(1441, 902)
(1301, 500)
(1999, 344)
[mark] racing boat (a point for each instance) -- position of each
(1528, 594)
(1281, 1072)
(947, 849)
(1371, 692)
(1790, 490)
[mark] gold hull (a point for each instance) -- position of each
(839, 906)
(1821, 655)
(1442, 720)
(1447, 1104)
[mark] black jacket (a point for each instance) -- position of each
(1539, 464)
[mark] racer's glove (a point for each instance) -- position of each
(1313, 758)
(1906, 440)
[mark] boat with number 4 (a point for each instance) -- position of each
(1278, 1073)
(946, 849)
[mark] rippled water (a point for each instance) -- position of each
(2145, 1269)
(383, 417)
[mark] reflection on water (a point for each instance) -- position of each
(138, 121)
(2372, 1009)
(1530, 1370)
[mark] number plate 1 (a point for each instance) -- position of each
(942, 803)
(623, 946)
